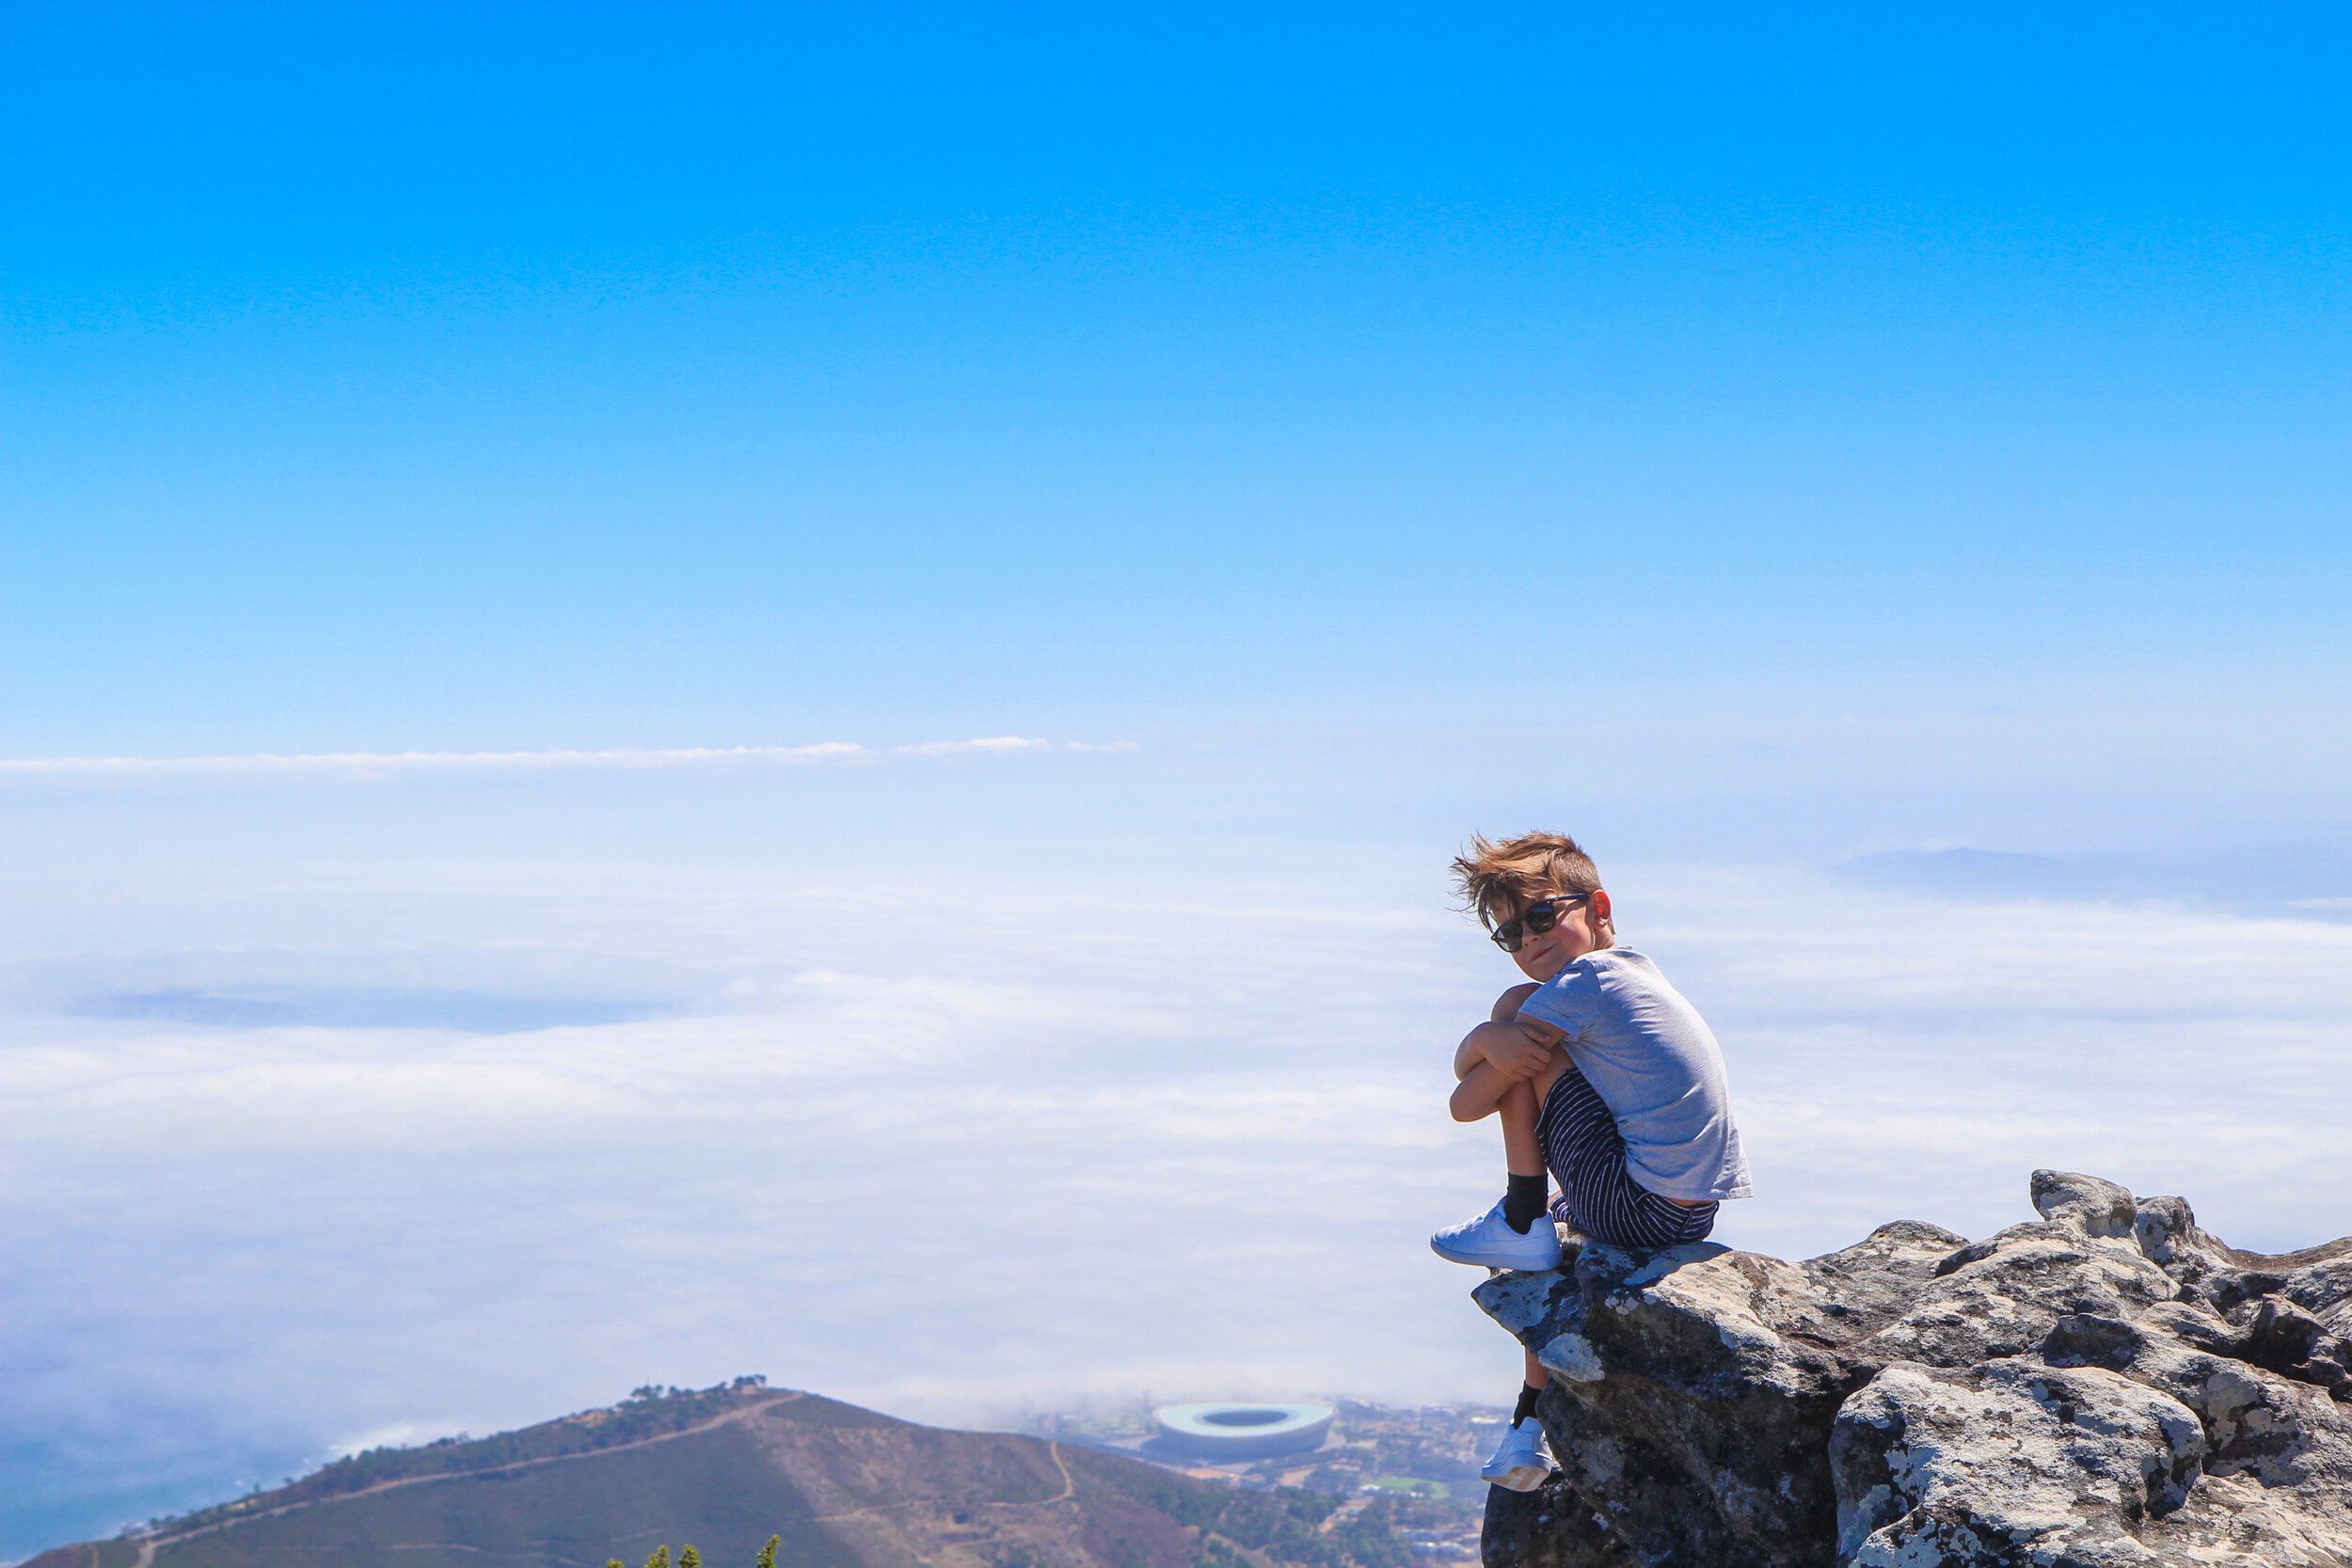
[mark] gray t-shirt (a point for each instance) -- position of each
(1654, 1064)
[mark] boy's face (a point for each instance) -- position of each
(1582, 921)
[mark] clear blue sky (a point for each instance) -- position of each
(393, 376)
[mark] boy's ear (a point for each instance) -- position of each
(1600, 906)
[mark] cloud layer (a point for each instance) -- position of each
(1024, 1138)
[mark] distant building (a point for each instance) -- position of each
(1218, 1432)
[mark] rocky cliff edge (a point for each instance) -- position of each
(2106, 1386)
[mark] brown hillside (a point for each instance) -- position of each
(725, 1469)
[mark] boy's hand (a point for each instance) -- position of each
(1516, 1052)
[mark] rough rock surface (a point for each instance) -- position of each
(2109, 1385)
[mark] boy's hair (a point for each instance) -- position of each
(1496, 877)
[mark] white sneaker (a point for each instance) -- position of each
(1489, 1242)
(1519, 1465)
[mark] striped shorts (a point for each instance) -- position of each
(1598, 1194)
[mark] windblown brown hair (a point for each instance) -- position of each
(1496, 877)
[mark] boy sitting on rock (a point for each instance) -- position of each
(1598, 1070)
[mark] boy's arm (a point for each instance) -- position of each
(1496, 1056)
(1545, 1034)
(1473, 1047)
(1517, 1050)
(1507, 1005)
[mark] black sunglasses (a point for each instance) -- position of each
(1541, 916)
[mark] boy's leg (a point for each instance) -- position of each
(1519, 1461)
(1521, 1154)
(1527, 1193)
(1517, 1232)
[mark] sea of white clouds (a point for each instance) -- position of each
(315, 1148)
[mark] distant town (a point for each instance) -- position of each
(1415, 1467)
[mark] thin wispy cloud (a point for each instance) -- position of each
(993, 743)
(1001, 743)
(360, 765)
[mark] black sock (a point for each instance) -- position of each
(1526, 1406)
(1522, 1201)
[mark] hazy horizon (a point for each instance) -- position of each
(332, 1138)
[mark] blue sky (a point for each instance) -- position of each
(409, 376)
(1877, 474)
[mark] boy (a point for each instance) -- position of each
(1598, 1070)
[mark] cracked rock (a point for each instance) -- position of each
(2107, 1385)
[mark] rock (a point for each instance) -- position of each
(2109, 1385)
(1549, 1528)
(2003, 1299)
(2006, 1462)
(2325, 1290)
(2094, 1207)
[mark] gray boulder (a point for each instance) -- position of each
(2109, 1385)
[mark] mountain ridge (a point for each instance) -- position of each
(726, 1467)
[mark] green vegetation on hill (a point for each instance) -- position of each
(690, 1558)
